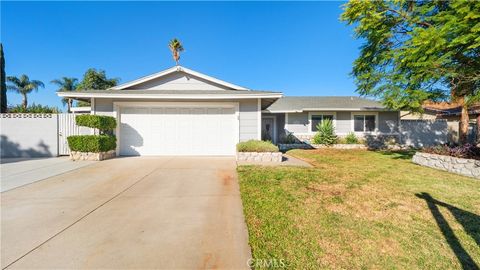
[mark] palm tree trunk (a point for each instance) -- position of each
(464, 120)
(24, 102)
(69, 105)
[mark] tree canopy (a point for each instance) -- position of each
(417, 50)
(66, 84)
(3, 84)
(176, 48)
(24, 86)
(96, 80)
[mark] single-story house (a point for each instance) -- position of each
(179, 111)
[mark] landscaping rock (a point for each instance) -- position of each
(74, 155)
(467, 167)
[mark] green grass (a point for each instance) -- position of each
(361, 210)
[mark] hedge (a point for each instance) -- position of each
(92, 143)
(256, 146)
(100, 122)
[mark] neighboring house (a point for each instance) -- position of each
(183, 112)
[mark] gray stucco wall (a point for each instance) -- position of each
(29, 135)
(344, 122)
(248, 113)
(388, 122)
(297, 122)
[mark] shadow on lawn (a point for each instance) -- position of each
(400, 154)
(469, 221)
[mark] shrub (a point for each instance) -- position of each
(100, 122)
(92, 143)
(289, 138)
(464, 151)
(326, 133)
(256, 146)
(33, 109)
(351, 138)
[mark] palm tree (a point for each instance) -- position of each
(176, 47)
(66, 84)
(23, 86)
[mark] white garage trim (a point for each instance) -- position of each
(117, 106)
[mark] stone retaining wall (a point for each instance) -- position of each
(92, 156)
(285, 147)
(260, 156)
(467, 167)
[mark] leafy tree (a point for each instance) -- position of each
(66, 84)
(95, 80)
(175, 47)
(3, 85)
(23, 86)
(415, 51)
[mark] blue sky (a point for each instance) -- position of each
(299, 48)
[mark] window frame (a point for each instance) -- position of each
(352, 119)
(316, 113)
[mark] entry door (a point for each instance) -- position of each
(268, 129)
(172, 130)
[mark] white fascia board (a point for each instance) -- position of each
(159, 96)
(179, 69)
(343, 109)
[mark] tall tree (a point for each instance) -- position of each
(66, 84)
(176, 48)
(415, 51)
(23, 86)
(3, 84)
(96, 80)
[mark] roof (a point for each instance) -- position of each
(173, 70)
(316, 103)
(449, 108)
(169, 94)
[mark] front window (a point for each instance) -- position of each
(318, 118)
(364, 123)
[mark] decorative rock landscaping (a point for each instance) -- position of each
(467, 167)
(75, 155)
(259, 156)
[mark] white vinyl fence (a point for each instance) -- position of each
(37, 135)
(420, 133)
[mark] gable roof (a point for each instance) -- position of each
(330, 103)
(176, 69)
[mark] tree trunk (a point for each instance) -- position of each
(464, 120)
(24, 102)
(69, 105)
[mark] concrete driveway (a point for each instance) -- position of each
(16, 172)
(140, 212)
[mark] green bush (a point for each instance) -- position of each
(326, 133)
(256, 146)
(92, 143)
(351, 138)
(34, 108)
(100, 122)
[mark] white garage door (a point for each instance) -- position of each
(174, 130)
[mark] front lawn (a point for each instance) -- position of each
(361, 210)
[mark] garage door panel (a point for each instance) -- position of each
(178, 131)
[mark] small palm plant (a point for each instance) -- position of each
(175, 47)
(23, 86)
(326, 133)
(66, 84)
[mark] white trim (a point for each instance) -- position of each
(81, 109)
(117, 106)
(259, 117)
(274, 139)
(321, 113)
(286, 122)
(352, 124)
(177, 69)
(169, 96)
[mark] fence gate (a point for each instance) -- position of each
(67, 127)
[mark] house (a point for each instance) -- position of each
(179, 111)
